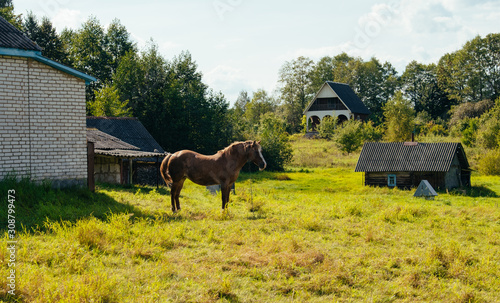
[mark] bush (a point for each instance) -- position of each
(327, 127)
(349, 138)
(276, 148)
(399, 118)
(470, 131)
(371, 133)
(489, 164)
(469, 110)
(488, 136)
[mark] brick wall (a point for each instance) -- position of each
(42, 123)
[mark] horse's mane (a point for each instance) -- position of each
(231, 146)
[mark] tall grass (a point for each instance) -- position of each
(311, 234)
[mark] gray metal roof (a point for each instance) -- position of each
(129, 130)
(410, 156)
(121, 153)
(11, 37)
(102, 140)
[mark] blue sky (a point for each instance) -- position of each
(242, 44)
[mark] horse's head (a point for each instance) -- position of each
(254, 152)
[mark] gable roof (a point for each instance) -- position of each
(346, 95)
(14, 43)
(128, 130)
(410, 156)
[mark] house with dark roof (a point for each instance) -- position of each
(42, 114)
(334, 100)
(406, 164)
(124, 151)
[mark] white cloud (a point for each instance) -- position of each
(228, 79)
(67, 18)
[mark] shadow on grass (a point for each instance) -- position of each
(475, 192)
(34, 204)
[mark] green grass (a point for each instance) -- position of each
(311, 234)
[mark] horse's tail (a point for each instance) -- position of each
(164, 170)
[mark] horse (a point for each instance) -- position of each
(222, 168)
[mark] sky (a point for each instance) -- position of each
(242, 44)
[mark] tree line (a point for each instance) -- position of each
(180, 111)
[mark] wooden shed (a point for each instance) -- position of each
(125, 152)
(406, 164)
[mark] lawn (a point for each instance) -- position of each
(311, 234)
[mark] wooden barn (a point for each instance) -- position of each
(42, 114)
(334, 100)
(124, 151)
(404, 165)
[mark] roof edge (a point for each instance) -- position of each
(315, 97)
(37, 56)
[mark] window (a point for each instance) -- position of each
(391, 180)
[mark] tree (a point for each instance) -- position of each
(469, 110)
(118, 43)
(399, 118)
(420, 86)
(172, 102)
(7, 12)
(327, 127)
(349, 137)
(45, 35)
(238, 121)
(107, 103)
(260, 104)
(341, 68)
(488, 135)
(471, 74)
(375, 84)
(295, 82)
(87, 52)
(276, 147)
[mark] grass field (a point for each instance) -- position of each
(311, 234)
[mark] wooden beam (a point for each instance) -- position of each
(90, 166)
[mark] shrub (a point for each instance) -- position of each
(469, 110)
(399, 118)
(327, 127)
(488, 136)
(371, 133)
(276, 148)
(489, 164)
(349, 138)
(470, 131)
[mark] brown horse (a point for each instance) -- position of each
(222, 168)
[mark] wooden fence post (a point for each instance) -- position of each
(90, 166)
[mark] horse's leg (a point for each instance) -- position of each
(178, 193)
(225, 190)
(173, 193)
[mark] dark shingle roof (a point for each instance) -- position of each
(102, 140)
(11, 37)
(410, 156)
(349, 97)
(129, 130)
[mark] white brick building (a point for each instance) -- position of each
(42, 114)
